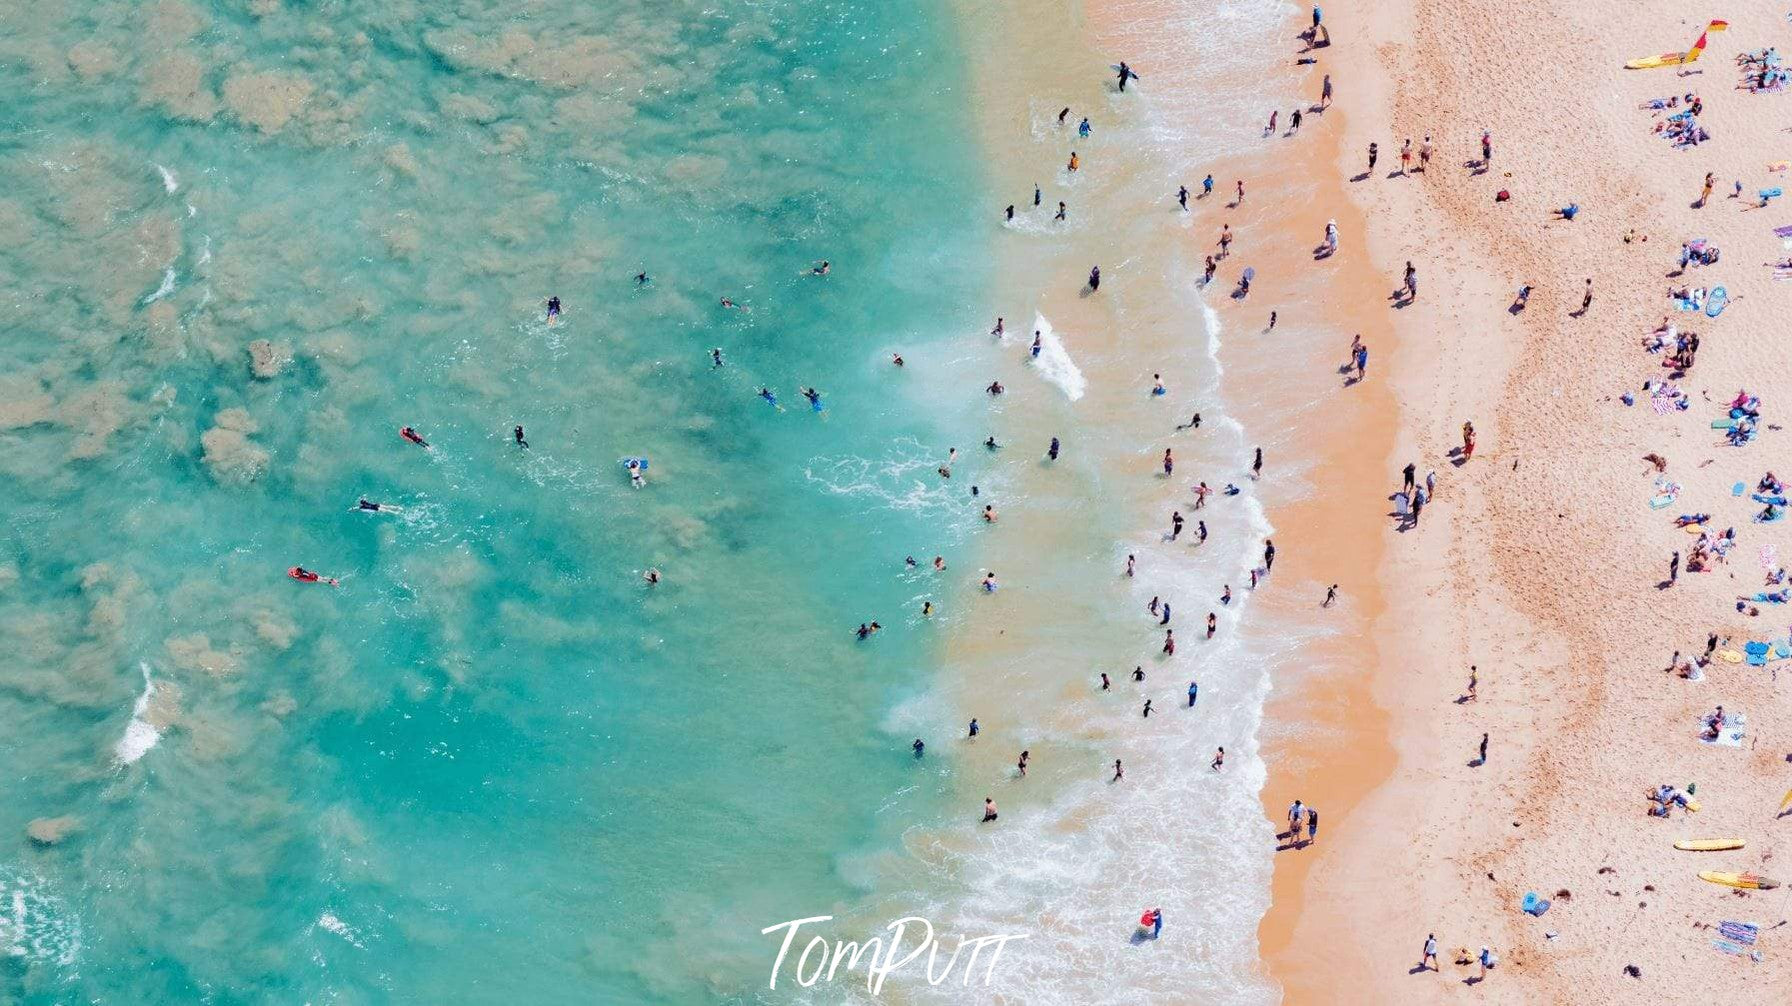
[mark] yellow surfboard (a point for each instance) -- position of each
(1784, 800)
(1743, 881)
(1708, 844)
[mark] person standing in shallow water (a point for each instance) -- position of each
(1094, 278)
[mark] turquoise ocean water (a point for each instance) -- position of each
(494, 765)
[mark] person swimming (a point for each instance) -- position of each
(635, 467)
(411, 435)
(766, 393)
(517, 432)
(990, 443)
(715, 356)
(372, 507)
(995, 388)
(821, 268)
(896, 358)
(651, 575)
(641, 278)
(304, 575)
(553, 309)
(814, 398)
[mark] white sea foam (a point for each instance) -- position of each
(164, 290)
(170, 184)
(139, 735)
(34, 923)
(1054, 362)
(330, 922)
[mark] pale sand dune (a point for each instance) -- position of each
(1545, 575)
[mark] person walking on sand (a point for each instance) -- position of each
(1406, 476)
(1425, 155)
(1481, 758)
(1170, 466)
(1428, 958)
(1297, 816)
(1094, 278)
(1325, 92)
(1486, 149)
(1207, 186)
(1219, 760)
(1257, 464)
(1412, 282)
(1269, 554)
(1362, 362)
(1474, 680)
(1182, 197)
(1211, 266)
(1468, 440)
(1374, 152)
(1331, 594)
(1021, 766)
(1194, 692)
(1586, 299)
(1488, 961)
(1126, 74)
(1240, 201)
(1270, 129)
(1312, 826)
(1213, 624)
(1169, 642)
(1705, 193)
(1294, 122)
(1118, 772)
(1674, 569)
(1225, 239)
(1406, 155)
(1147, 713)
(1060, 215)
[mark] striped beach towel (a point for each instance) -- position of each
(1739, 932)
(1770, 557)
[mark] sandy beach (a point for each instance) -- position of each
(1541, 561)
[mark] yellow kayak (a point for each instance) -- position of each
(1708, 844)
(1657, 62)
(1745, 881)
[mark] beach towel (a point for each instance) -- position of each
(1770, 557)
(1729, 656)
(1533, 905)
(1754, 648)
(1662, 500)
(1730, 736)
(1739, 932)
(1775, 500)
(1738, 489)
(1724, 424)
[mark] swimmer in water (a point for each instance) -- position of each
(918, 747)
(1060, 215)
(1192, 424)
(411, 435)
(641, 278)
(945, 470)
(1104, 681)
(1226, 595)
(1082, 128)
(989, 582)
(989, 514)
(990, 443)
(1062, 115)
(821, 268)
(553, 309)
(652, 575)
(635, 477)
(766, 393)
(1052, 451)
(715, 356)
(995, 388)
(896, 358)
(304, 575)
(998, 330)
(372, 507)
(927, 609)
(517, 433)
(1157, 385)
(1138, 673)
(731, 304)
(939, 563)
(814, 398)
